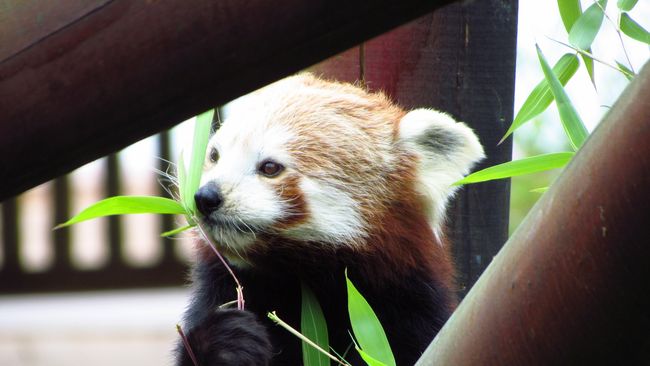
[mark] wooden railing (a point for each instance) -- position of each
(60, 273)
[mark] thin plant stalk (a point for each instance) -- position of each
(618, 31)
(291, 330)
(591, 56)
(186, 344)
(240, 289)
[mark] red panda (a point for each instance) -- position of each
(305, 179)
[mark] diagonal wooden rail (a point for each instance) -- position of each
(81, 79)
(572, 285)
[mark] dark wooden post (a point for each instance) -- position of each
(471, 74)
(461, 60)
(10, 236)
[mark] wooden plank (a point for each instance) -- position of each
(345, 67)
(129, 69)
(61, 237)
(115, 227)
(461, 60)
(10, 237)
(111, 278)
(166, 221)
(571, 285)
(26, 22)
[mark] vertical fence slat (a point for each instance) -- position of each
(61, 237)
(10, 237)
(460, 60)
(166, 221)
(115, 254)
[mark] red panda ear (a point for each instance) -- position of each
(446, 151)
(435, 134)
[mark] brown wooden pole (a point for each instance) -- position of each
(81, 79)
(461, 60)
(572, 285)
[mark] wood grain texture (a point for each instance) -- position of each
(108, 74)
(571, 285)
(461, 60)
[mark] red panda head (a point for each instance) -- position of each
(320, 161)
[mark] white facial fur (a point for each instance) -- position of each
(340, 146)
(334, 216)
(243, 143)
(254, 131)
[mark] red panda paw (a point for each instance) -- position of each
(227, 337)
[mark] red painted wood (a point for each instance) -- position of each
(460, 60)
(101, 80)
(571, 286)
(24, 23)
(343, 67)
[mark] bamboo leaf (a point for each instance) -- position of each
(274, 317)
(571, 121)
(314, 327)
(570, 11)
(370, 361)
(121, 205)
(181, 173)
(199, 145)
(626, 5)
(541, 96)
(633, 29)
(629, 74)
(589, 65)
(366, 327)
(533, 164)
(584, 30)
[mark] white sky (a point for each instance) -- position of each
(539, 22)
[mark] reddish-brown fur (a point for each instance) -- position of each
(349, 139)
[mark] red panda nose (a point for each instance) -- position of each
(208, 198)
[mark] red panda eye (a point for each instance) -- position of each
(214, 155)
(270, 168)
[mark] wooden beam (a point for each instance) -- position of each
(460, 60)
(571, 286)
(81, 79)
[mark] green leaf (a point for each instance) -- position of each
(533, 164)
(370, 361)
(629, 74)
(589, 65)
(177, 230)
(584, 30)
(314, 327)
(571, 121)
(199, 145)
(367, 328)
(120, 205)
(181, 173)
(626, 5)
(633, 29)
(274, 317)
(541, 97)
(570, 11)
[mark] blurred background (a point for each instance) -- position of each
(136, 327)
